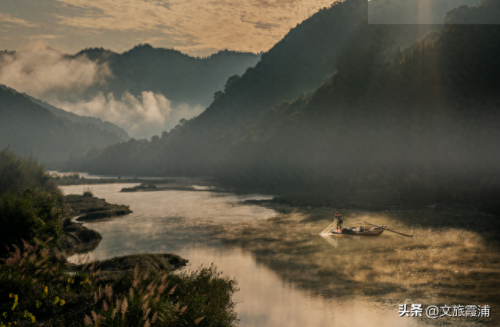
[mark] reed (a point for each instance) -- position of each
(43, 292)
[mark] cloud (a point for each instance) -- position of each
(61, 80)
(47, 36)
(6, 18)
(143, 116)
(46, 73)
(195, 25)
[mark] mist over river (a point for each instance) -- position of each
(289, 275)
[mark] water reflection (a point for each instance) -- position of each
(167, 220)
(435, 267)
(265, 299)
(291, 276)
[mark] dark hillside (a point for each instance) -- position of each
(97, 122)
(30, 129)
(418, 124)
(309, 54)
(298, 63)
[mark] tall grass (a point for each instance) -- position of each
(36, 290)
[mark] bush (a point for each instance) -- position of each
(18, 174)
(31, 214)
(88, 192)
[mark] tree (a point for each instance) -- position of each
(230, 81)
(218, 94)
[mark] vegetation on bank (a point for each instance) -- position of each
(19, 173)
(39, 292)
(31, 205)
(39, 288)
(30, 214)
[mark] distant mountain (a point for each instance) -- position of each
(179, 77)
(30, 129)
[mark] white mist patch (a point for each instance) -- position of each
(46, 73)
(143, 116)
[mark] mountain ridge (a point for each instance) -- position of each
(178, 76)
(32, 130)
(98, 122)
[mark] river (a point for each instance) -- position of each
(289, 275)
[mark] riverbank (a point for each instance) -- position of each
(47, 290)
(87, 208)
(114, 269)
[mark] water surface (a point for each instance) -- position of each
(288, 274)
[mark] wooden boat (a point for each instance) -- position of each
(373, 231)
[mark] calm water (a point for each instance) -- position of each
(288, 275)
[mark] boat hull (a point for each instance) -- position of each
(370, 232)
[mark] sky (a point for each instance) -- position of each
(195, 27)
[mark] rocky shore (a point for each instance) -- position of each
(114, 269)
(139, 188)
(90, 208)
(78, 238)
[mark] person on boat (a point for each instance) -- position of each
(340, 221)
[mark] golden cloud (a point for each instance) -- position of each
(6, 18)
(45, 36)
(250, 25)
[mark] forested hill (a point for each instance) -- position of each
(29, 129)
(97, 122)
(394, 124)
(179, 77)
(300, 62)
(308, 55)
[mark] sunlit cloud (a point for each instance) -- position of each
(48, 36)
(196, 25)
(44, 73)
(6, 18)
